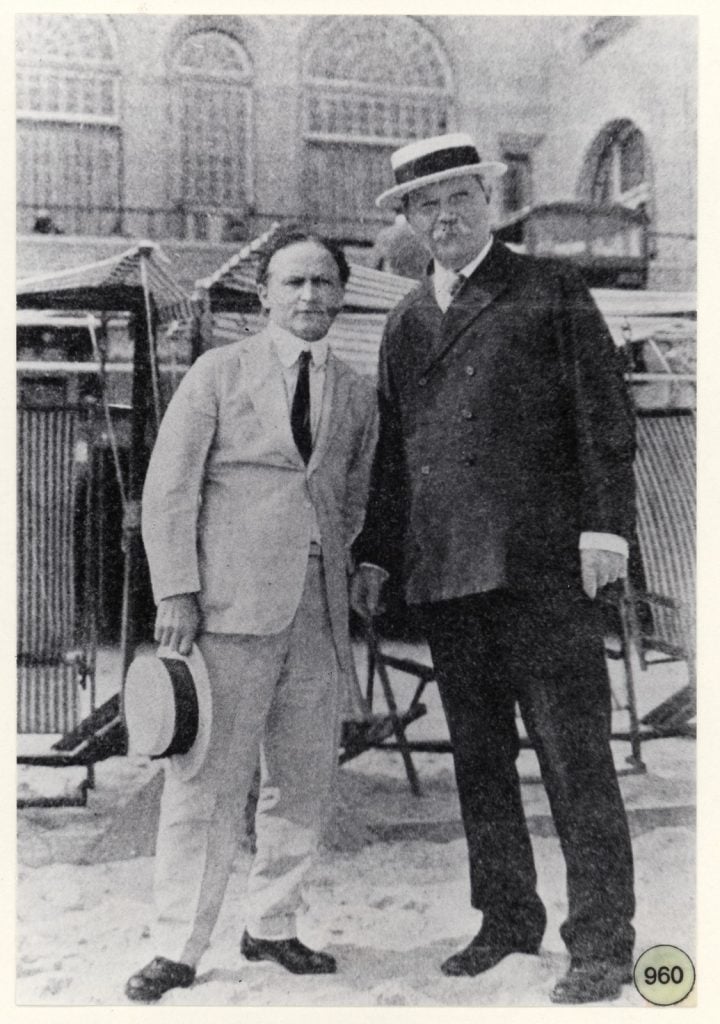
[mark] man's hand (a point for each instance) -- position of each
(177, 622)
(600, 567)
(365, 590)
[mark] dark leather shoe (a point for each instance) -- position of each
(588, 981)
(289, 953)
(480, 956)
(157, 978)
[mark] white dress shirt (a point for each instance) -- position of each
(288, 347)
(444, 279)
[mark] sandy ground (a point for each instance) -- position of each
(388, 896)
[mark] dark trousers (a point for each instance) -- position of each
(544, 652)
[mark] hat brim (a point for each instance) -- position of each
(186, 766)
(486, 169)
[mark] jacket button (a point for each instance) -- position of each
(469, 460)
(467, 414)
(470, 371)
(425, 470)
(423, 381)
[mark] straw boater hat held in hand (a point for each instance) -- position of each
(168, 709)
(429, 160)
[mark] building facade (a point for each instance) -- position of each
(201, 131)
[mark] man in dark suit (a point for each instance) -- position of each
(502, 498)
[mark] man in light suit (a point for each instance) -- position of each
(502, 498)
(255, 492)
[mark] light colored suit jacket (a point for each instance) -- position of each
(228, 502)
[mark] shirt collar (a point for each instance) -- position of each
(445, 277)
(288, 346)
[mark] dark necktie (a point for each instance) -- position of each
(456, 285)
(300, 412)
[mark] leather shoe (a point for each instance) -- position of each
(289, 953)
(480, 955)
(157, 978)
(588, 981)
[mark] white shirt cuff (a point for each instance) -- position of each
(376, 568)
(605, 542)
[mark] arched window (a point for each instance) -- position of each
(68, 131)
(214, 116)
(370, 85)
(617, 167)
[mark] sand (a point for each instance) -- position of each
(388, 896)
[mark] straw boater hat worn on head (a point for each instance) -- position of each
(429, 160)
(168, 709)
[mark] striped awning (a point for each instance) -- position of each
(233, 284)
(143, 267)
(634, 316)
(230, 297)
(621, 302)
(353, 337)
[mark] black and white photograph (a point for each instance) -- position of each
(355, 509)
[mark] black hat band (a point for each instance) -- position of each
(187, 713)
(432, 163)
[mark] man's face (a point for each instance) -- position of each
(302, 292)
(453, 219)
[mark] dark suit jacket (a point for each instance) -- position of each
(506, 431)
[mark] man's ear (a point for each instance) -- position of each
(262, 294)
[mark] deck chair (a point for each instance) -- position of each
(654, 610)
(659, 616)
(422, 675)
(387, 731)
(55, 644)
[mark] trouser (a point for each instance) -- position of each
(546, 653)
(275, 697)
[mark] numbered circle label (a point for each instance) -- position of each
(664, 975)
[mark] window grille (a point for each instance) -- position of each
(68, 134)
(214, 119)
(371, 84)
(616, 168)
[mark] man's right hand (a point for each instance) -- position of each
(177, 622)
(365, 590)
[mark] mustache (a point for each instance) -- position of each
(450, 229)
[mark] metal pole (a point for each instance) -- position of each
(137, 466)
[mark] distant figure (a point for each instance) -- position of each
(399, 250)
(45, 225)
(236, 230)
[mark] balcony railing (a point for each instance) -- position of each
(176, 223)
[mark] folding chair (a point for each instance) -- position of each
(55, 651)
(379, 730)
(659, 619)
(655, 618)
(655, 611)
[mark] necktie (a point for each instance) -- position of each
(457, 284)
(300, 412)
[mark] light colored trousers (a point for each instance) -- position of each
(277, 695)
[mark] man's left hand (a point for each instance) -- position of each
(599, 568)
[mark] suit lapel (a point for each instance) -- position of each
(266, 389)
(427, 327)
(489, 281)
